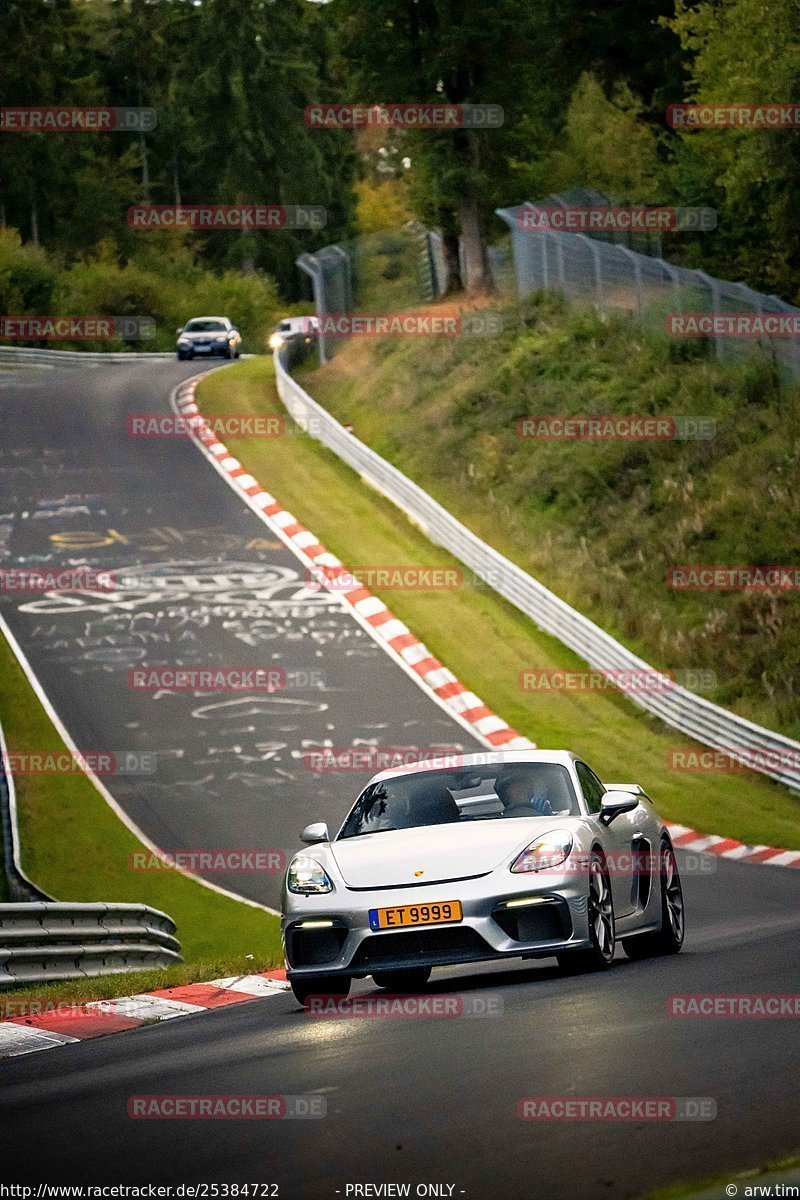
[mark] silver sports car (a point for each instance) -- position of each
(546, 860)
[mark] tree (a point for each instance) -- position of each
(745, 51)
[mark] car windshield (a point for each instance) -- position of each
(201, 325)
(481, 793)
(285, 327)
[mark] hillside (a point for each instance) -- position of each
(602, 522)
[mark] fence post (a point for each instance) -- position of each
(598, 268)
(310, 265)
(637, 277)
(713, 287)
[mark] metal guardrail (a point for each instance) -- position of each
(20, 887)
(56, 358)
(41, 942)
(676, 706)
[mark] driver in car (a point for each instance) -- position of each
(525, 795)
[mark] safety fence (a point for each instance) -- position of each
(24, 355)
(627, 275)
(41, 942)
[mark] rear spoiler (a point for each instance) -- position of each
(625, 787)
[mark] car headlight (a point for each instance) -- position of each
(307, 877)
(275, 342)
(549, 850)
(184, 338)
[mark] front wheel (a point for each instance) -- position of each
(669, 938)
(306, 986)
(600, 912)
(403, 981)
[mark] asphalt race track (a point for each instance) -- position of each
(435, 1100)
(416, 1101)
(200, 582)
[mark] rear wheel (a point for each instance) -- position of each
(317, 985)
(600, 911)
(669, 938)
(403, 981)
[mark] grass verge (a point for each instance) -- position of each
(740, 1179)
(108, 987)
(482, 638)
(602, 522)
(74, 847)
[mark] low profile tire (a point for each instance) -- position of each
(311, 985)
(600, 912)
(403, 981)
(669, 938)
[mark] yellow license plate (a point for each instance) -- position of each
(443, 912)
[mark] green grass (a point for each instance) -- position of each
(107, 987)
(742, 1179)
(74, 847)
(600, 523)
(484, 640)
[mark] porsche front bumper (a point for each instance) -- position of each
(513, 916)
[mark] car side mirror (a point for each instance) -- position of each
(317, 832)
(614, 803)
(179, 330)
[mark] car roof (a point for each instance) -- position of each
(481, 758)
(209, 319)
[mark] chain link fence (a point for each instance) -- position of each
(614, 272)
(390, 270)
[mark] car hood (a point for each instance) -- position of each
(435, 853)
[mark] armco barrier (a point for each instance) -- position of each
(23, 355)
(42, 939)
(20, 887)
(41, 942)
(679, 708)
